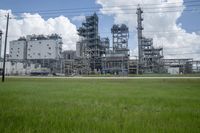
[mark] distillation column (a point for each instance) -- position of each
(139, 29)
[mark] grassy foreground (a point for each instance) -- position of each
(100, 106)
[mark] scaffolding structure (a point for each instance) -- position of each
(150, 58)
(78, 66)
(115, 64)
(92, 48)
(116, 60)
(120, 34)
(195, 66)
(184, 65)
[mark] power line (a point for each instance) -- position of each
(76, 13)
(101, 14)
(111, 9)
(86, 8)
(123, 9)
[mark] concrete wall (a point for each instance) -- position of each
(17, 68)
(17, 50)
(13, 68)
(44, 49)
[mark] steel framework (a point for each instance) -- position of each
(150, 58)
(93, 48)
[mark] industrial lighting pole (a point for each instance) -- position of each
(4, 59)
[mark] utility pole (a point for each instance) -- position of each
(137, 64)
(0, 42)
(4, 59)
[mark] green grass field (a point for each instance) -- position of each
(100, 106)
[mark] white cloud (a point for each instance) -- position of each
(80, 18)
(172, 37)
(28, 24)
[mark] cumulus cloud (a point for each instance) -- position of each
(28, 24)
(162, 27)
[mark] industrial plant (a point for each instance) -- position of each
(94, 54)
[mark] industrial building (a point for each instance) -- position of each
(18, 49)
(178, 66)
(37, 49)
(41, 47)
(91, 45)
(116, 59)
(150, 58)
(40, 54)
(97, 51)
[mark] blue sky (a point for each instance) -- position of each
(105, 22)
(189, 20)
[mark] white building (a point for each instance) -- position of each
(18, 50)
(36, 47)
(173, 70)
(44, 49)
